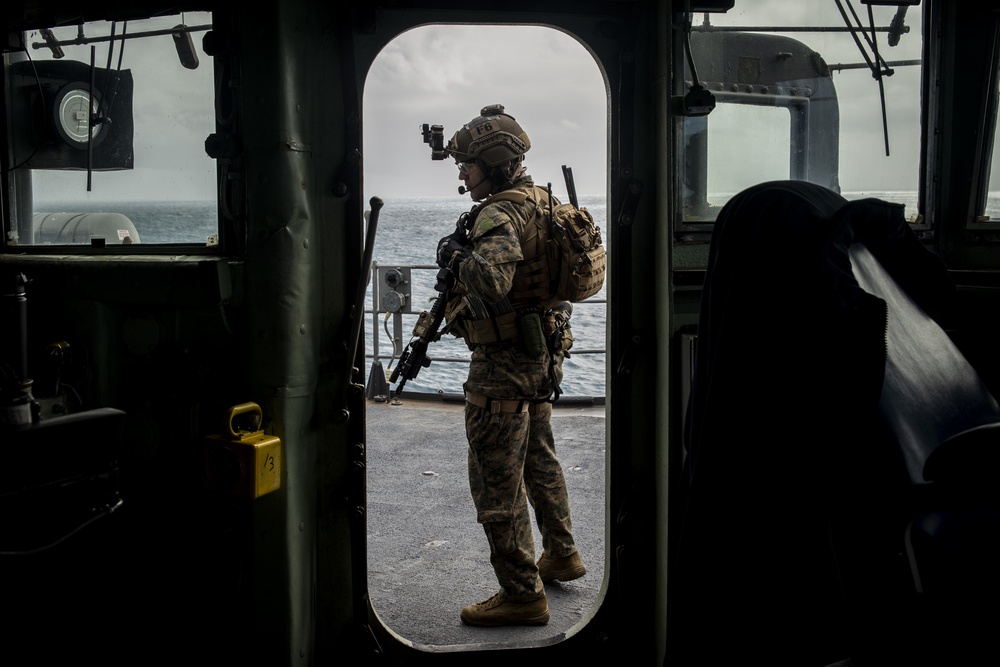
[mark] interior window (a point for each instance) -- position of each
(989, 209)
(729, 124)
(833, 126)
(108, 124)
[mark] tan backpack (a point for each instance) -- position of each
(574, 250)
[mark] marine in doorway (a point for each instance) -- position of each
(504, 307)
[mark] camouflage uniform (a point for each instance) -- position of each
(512, 456)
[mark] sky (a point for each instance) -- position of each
(443, 75)
(548, 81)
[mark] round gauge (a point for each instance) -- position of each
(74, 110)
(393, 301)
(393, 277)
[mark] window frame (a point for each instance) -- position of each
(18, 181)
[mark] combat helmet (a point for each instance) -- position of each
(493, 138)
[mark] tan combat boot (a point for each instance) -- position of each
(566, 568)
(498, 610)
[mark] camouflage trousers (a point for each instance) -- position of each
(512, 461)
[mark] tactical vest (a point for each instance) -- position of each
(532, 285)
(531, 288)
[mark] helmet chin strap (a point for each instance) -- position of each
(509, 179)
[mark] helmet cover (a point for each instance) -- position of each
(494, 138)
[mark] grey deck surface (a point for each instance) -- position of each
(427, 555)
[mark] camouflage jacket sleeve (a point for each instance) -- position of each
(496, 250)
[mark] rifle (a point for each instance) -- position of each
(425, 331)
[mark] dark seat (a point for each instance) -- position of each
(930, 392)
(840, 445)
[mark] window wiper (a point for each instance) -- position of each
(878, 67)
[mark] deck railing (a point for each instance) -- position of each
(392, 297)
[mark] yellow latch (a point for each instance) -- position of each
(245, 462)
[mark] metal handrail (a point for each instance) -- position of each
(379, 288)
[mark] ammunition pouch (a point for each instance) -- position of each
(532, 337)
(535, 332)
(491, 330)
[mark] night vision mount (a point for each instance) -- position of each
(434, 136)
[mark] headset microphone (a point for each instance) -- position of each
(462, 189)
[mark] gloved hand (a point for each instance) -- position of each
(445, 280)
(450, 250)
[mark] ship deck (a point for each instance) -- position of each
(427, 555)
